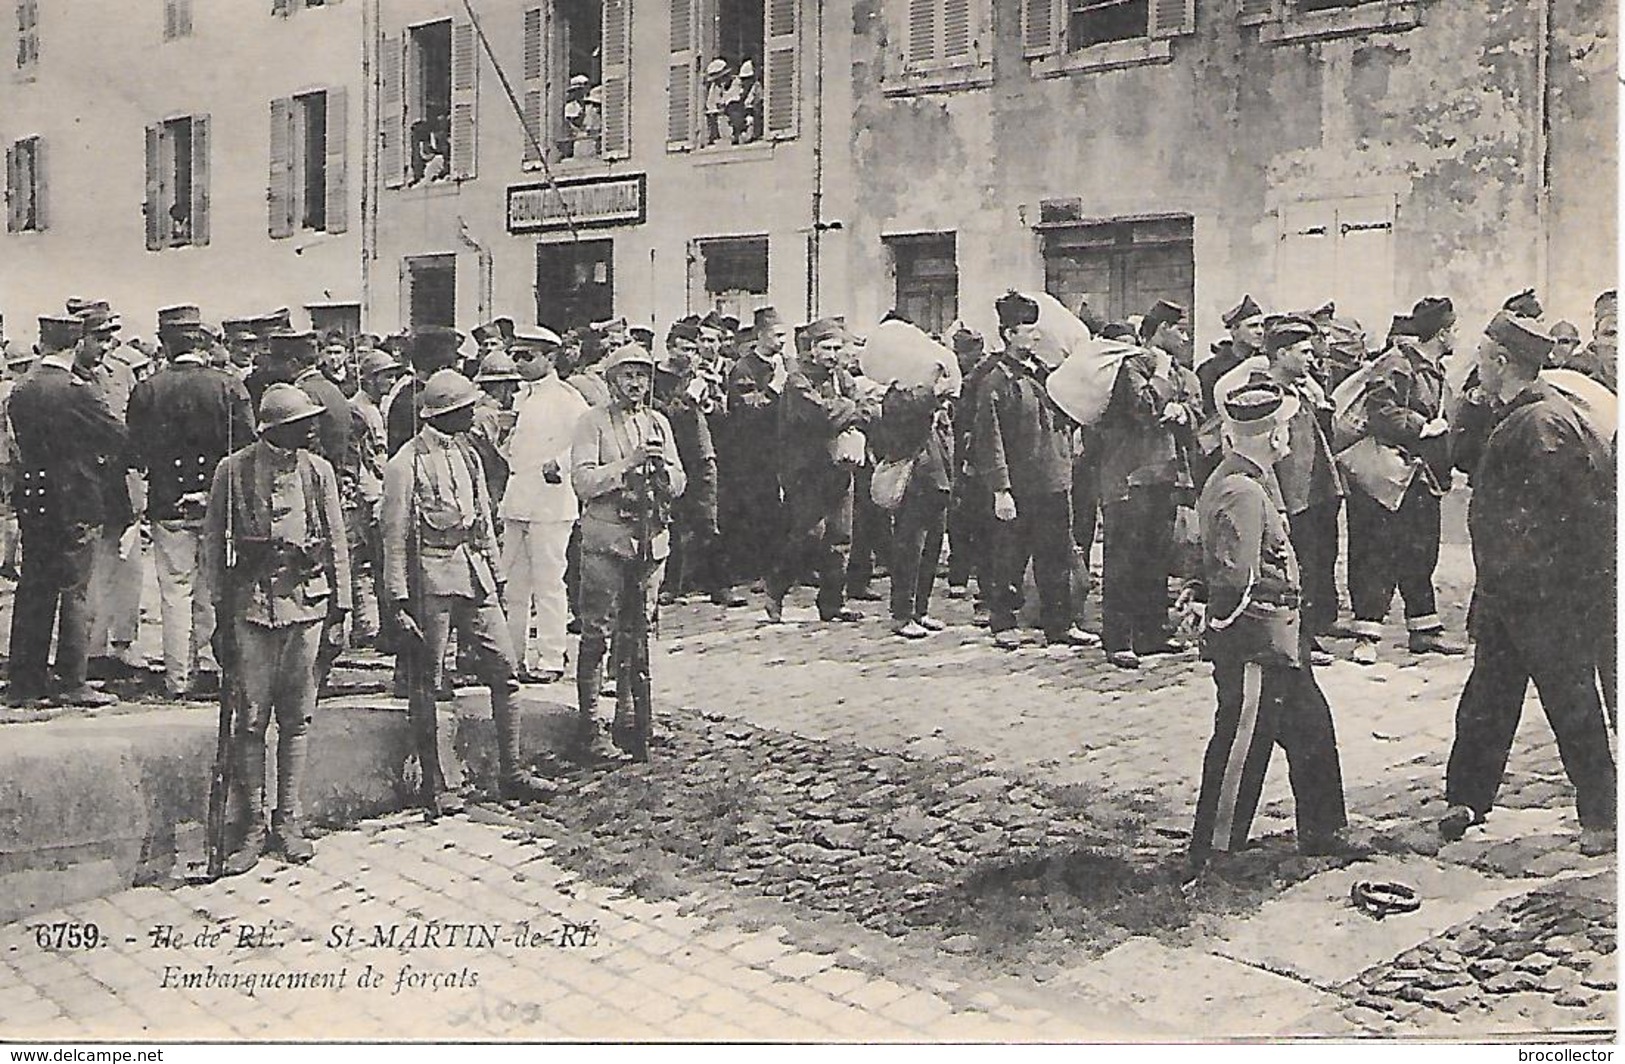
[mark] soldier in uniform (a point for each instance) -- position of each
(1023, 452)
(498, 380)
(624, 465)
(1400, 547)
(820, 402)
(1144, 467)
(276, 564)
(300, 351)
(183, 421)
(1543, 488)
(753, 523)
(429, 349)
(695, 562)
(440, 574)
(72, 454)
(1252, 634)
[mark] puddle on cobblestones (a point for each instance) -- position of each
(1016, 874)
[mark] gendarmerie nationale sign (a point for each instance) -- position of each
(585, 201)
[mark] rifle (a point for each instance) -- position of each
(225, 654)
(650, 508)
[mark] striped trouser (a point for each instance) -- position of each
(1259, 706)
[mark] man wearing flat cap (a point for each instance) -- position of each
(1252, 633)
(72, 453)
(1541, 519)
(1022, 446)
(626, 471)
(184, 420)
(753, 523)
(275, 562)
(1405, 413)
(441, 566)
(1146, 435)
(819, 405)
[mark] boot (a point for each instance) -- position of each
(426, 736)
(288, 837)
(250, 849)
(250, 788)
(588, 658)
(513, 781)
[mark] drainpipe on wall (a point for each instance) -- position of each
(369, 160)
(485, 267)
(816, 237)
(1543, 149)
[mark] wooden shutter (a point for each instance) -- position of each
(958, 35)
(921, 33)
(154, 206)
(183, 18)
(200, 180)
(1172, 18)
(617, 79)
(465, 66)
(169, 19)
(1038, 23)
(279, 182)
(1251, 12)
(391, 111)
(338, 160)
(13, 191)
(680, 88)
(535, 84)
(37, 190)
(1364, 272)
(781, 78)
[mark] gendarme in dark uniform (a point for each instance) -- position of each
(1540, 521)
(1267, 692)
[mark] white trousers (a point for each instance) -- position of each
(188, 612)
(533, 558)
(115, 594)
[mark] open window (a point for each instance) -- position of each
(1311, 20)
(25, 186)
(926, 268)
(564, 79)
(428, 89)
(733, 72)
(1091, 22)
(1071, 36)
(308, 180)
(575, 282)
(177, 204)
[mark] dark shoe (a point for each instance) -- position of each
(107, 668)
(667, 599)
(1594, 842)
(1009, 639)
(844, 615)
(248, 852)
(288, 839)
(1124, 659)
(87, 697)
(1072, 637)
(1167, 645)
(1456, 820)
(728, 598)
(549, 676)
(448, 803)
(20, 699)
(863, 594)
(775, 611)
(1435, 642)
(1337, 844)
(447, 693)
(980, 617)
(629, 742)
(525, 787)
(206, 683)
(574, 626)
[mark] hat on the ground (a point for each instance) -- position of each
(497, 367)
(1521, 339)
(283, 404)
(1258, 406)
(1246, 310)
(624, 356)
(444, 392)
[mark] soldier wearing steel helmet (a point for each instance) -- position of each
(278, 568)
(440, 573)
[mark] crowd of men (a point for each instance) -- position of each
(305, 493)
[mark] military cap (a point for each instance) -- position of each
(77, 306)
(1520, 338)
(1401, 325)
(1323, 313)
(1014, 309)
(1607, 302)
(967, 341)
(728, 323)
(1118, 330)
(280, 320)
(1286, 330)
(747, 69)
(133, 354)
(624, 356)
(642, 335)
(19, 355)
(1162, 313)
(1523, 305)
(374, 362)
(1432, 315)
(538, 338)
(683, 330)
(713, 320)
(1566, 330)
(766, 319)
(824, 329)
(580, 81)
(433, 343)
(181, 316)
(1258, 406)
(99, 319)
(446, 391)
(283, 404)
(59, 334)
(746, 335)
(1246, 310)
(497, 367)
(240, 330)
(291, 345)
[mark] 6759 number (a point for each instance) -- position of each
(67, 936)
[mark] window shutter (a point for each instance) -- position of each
(13, 191)
(169, 20)
(338, 160)
(465, 65)
(1172, 18)
(154, 206)
(922, 32)
(680, 77)
(616, 67)
(282, 7)
(200, 180)
(957, 34)
(781, 79)
(37, 190)
(183, 18)
(279, 183)
(1037, 28)
(391, 112)
(535, 85)
(1252, 12)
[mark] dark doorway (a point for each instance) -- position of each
(575, 283)
(431, 290)
(927, 271)
(1121, 267)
